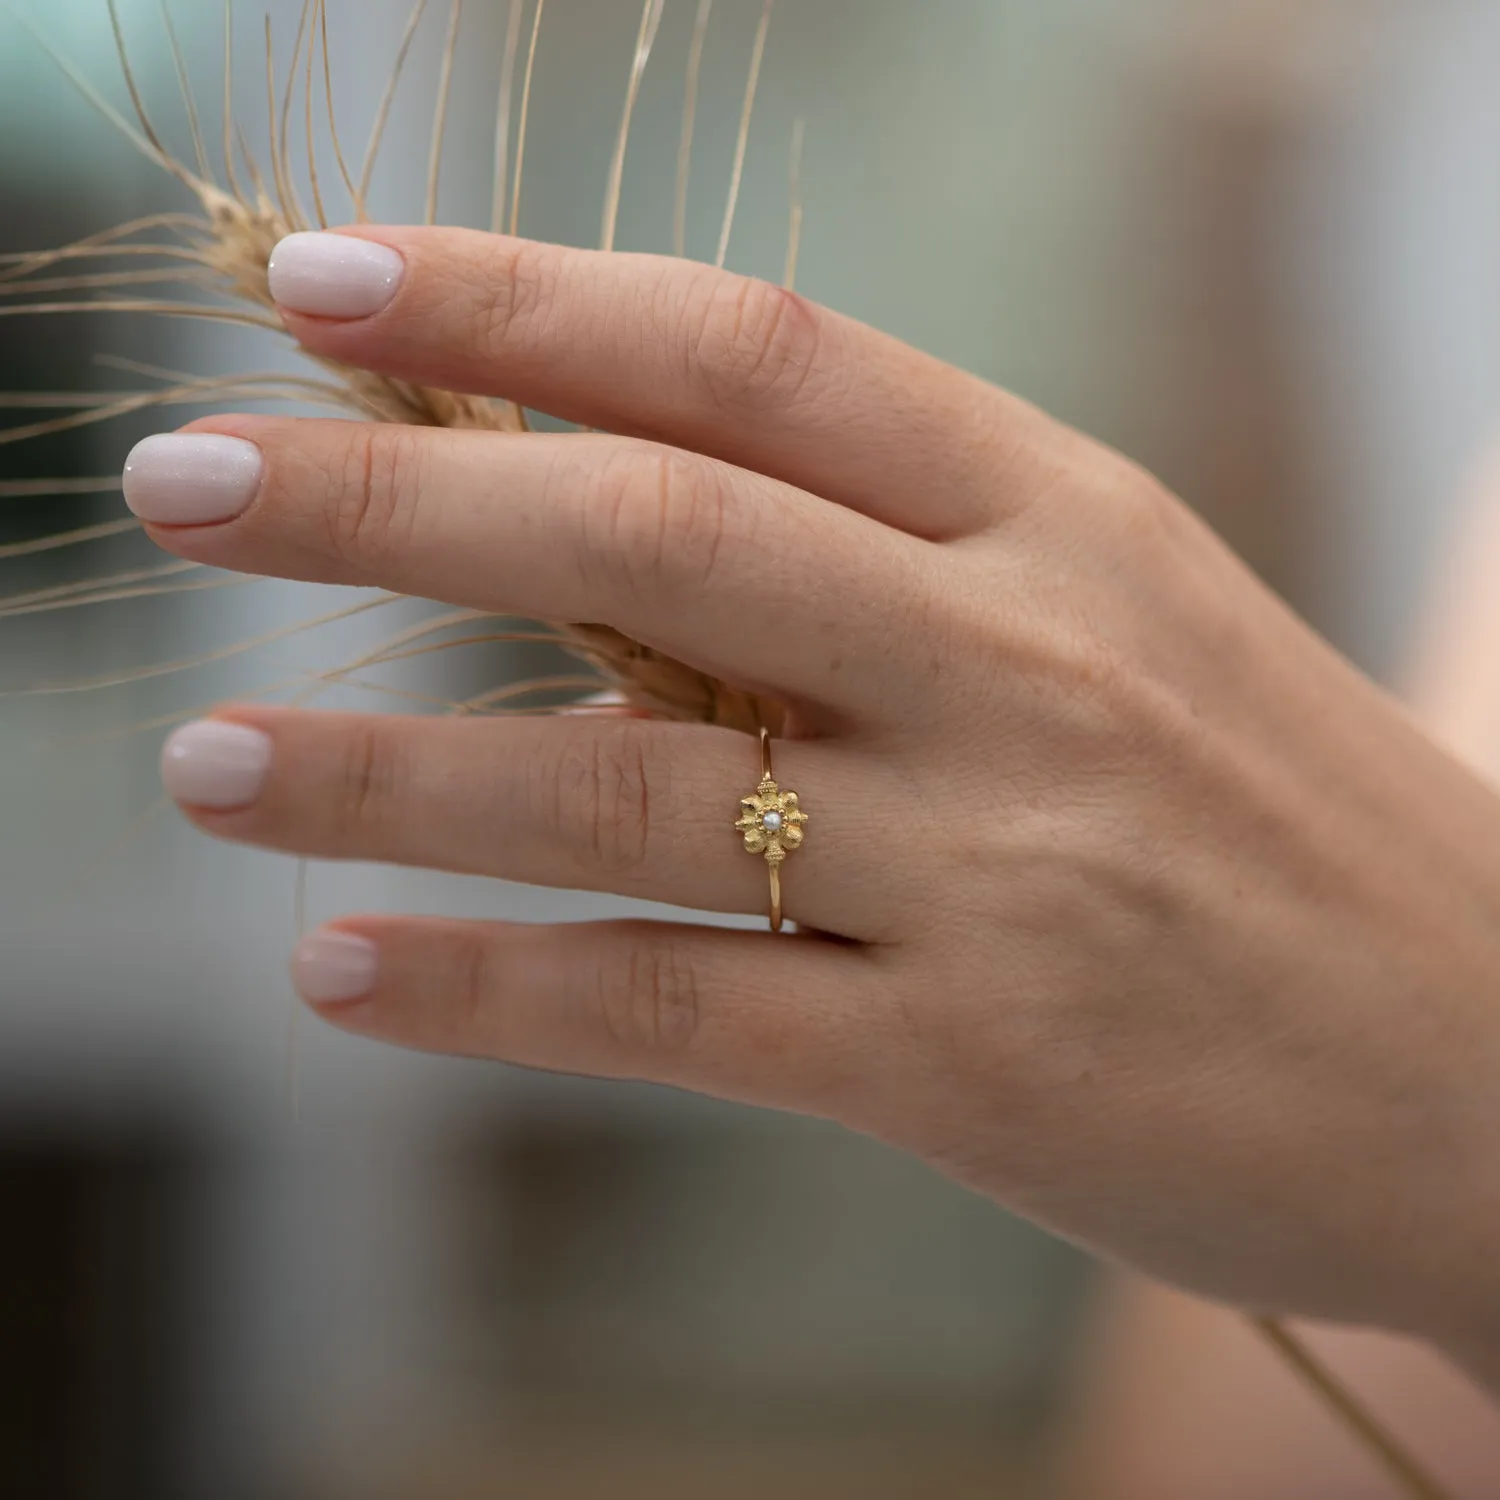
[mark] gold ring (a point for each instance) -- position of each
(771, 821)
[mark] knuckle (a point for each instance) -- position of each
(756, 346)
(655, 518)
(601, 798)
(476, 985)
(1143, 511)
(651, 1001)
(374, 777)
(519, 296)
(1146, 507)
(375, 492)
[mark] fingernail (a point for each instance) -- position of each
(192, 478)
(334, 275)
(330, 967)
(216, 765)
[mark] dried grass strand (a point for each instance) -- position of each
(53, 400)
(440, 114)
(504, 100)
(97, 280)
(252, 167)
(108, 407)
(498, 638)
(166, 158)
(156, 309)
(161, 721)
(333, 127)
(650, 21)
(189, 99)
(165, 252)
(572, 682)
(93, 96)
(98, 246)
(387, 99)
(1371, 1435)
(689, 125)
(58, 540)
(141, 367)
(278, 176)
(204, 659)
(392, 649)
(85, 585)
(268, 385)
(105, 243)
(146, 591)
(521, 124)
(794, 223)
(118, 596)
(319, 210)
(742, 138)
(293, 1064)
(249, 695)
(291, 203)
(231, 177)
(416, 632)
(385, 690)
(42, 489)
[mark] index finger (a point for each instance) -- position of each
(651, 346)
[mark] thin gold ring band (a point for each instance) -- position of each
(772, 822)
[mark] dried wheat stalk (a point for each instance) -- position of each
(220, 255)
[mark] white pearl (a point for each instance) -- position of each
(771, 822)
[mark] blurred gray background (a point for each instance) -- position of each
(1254, 244)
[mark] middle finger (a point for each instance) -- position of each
(739, 575)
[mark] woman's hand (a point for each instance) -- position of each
(1123, 898)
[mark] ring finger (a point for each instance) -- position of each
(633, 807)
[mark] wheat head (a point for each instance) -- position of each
(220, 253)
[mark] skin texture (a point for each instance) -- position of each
(1183, 1401)
(1124, 898)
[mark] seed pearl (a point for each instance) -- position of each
(771, 822)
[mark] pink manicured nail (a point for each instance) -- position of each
(215, 764)
(330, 967)
(334, 275)
(192, 478)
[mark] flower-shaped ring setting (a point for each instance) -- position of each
(771, 821)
